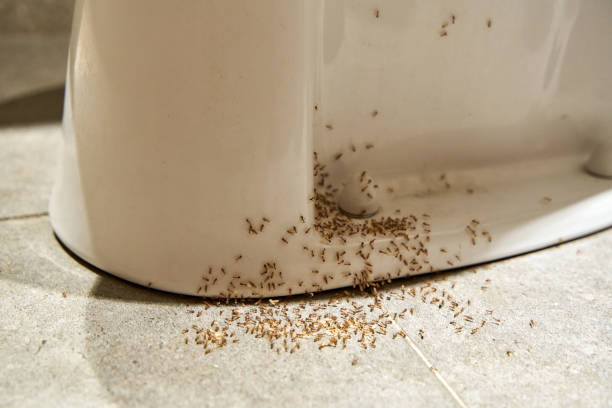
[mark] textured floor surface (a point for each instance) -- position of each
(73, 336)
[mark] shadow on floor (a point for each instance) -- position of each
(40, 107)
(111, 287)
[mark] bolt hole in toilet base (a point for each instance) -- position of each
(359, 216)
(222, 176)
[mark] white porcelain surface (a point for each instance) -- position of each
(184, 120)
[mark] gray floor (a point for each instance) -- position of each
(110, 343)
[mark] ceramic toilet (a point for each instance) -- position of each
(264, 148)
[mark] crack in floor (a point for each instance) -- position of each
(425, 360)
(24, 216)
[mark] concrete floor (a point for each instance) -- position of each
(110, 343)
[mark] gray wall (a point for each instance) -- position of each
(34, 37)
(35, 16)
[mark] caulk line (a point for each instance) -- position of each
(433, 369)
(24, 217)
